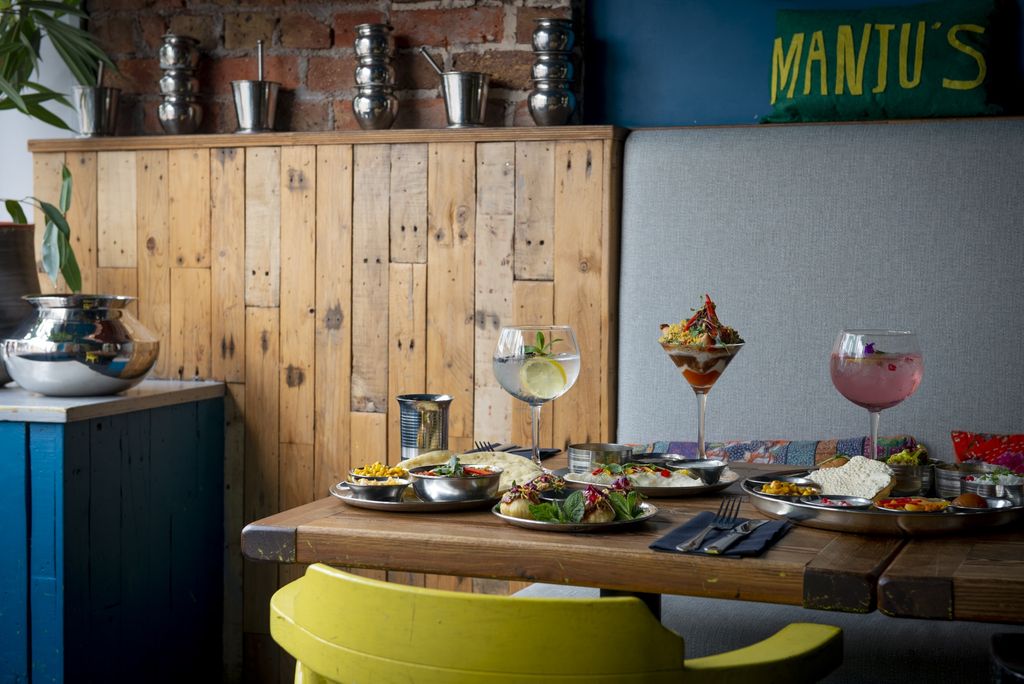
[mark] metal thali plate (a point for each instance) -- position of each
(875, 521)
(649, 511)
(410, 503)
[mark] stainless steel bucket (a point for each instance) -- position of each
(465, 97)
(97, 110)
(255, 105)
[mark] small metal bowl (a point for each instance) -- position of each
(800, 481)
(466, 488)
(377, 492)
(709, 471)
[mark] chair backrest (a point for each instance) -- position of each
(797, 231)
(355, 629)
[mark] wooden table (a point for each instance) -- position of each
(808, 567)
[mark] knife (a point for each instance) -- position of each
(738, 532)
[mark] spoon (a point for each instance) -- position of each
(99, 75)
(259, 60)
(423, 51)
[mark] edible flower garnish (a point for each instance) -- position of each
(702, 329)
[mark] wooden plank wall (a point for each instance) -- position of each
(323, 280)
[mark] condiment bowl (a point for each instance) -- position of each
(464, 488)
(377, 492)
(709, 471)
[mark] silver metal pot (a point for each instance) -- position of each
(374, 71)
(375, 107)
(374, 40)
(553, 35)
(179, 52)
(180, 114)
(97, 110)
(179, 82)
(552, 66)
(79, 345)
(551, 103)
(255, 105)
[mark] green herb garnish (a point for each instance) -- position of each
(540, 348)
(570, 511)
(450, 469)
(626, 506)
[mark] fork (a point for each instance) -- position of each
(484, 446)
(724, 519)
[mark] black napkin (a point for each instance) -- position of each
(754, 544)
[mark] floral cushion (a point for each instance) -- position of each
(784, 451)
(1004, 450)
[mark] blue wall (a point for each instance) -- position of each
(682, 62)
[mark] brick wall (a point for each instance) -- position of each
(309, 51)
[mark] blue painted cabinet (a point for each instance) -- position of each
(112, 539)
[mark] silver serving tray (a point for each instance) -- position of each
(875, 521)
(660, 492)
(649, 512)
(410, 503)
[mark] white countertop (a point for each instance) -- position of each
(19, 405)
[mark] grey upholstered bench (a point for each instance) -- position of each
(796, 232)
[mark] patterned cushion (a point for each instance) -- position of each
(784, 451)
(1004, 450)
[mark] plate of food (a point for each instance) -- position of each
(790, 487)
(449, 486)
(912, 504)
(654, 480)
(583, 510)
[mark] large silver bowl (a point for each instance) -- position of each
(466, 488)
(79, 345)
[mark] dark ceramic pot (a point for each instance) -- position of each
(18, 277)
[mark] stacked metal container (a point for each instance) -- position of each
(375, 105)
(551, 102)
(179, 112)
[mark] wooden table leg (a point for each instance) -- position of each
(652, 601)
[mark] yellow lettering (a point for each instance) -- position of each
(971, 52)
(883, 56)
(906, 82)
(848, 69)
(816, 53)
(786, 69)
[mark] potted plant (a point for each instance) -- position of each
(87, 344)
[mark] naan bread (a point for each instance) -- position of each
(513, 468)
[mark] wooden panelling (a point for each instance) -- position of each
(154, 236)
(115, 203)
(322, 275)
(82, 215)
(227, 260)
(333, 335)
(263, 226)
(298, 294)
(579, 174)
(495, 217)
(407, 356)
(371, 189)
(46, 177)
(409, 203)
(190, 207)
(451, 207)
(535, 210)
(190, 323)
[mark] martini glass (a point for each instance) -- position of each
(876, 369)
(701, 367)
(535, 364)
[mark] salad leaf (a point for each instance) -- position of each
(621, 506)
(450, 469)
(546, 512)
(574, 507)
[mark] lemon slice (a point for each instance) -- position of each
(543, 378)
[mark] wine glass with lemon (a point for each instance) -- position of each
(535, 364)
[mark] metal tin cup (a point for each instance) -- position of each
(97, 110)
(255, 105)
(465, 97)
(583, 457)
(423, 423)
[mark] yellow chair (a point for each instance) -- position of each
(345, 628)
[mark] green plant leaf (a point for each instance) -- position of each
(65, 188)
(69, 266)
(45, 115)
(51, 252)
(15, 210)
(574, 506)
(54, 215)
(9, 90)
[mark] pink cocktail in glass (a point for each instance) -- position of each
(876, 369)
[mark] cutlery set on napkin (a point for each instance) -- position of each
(743, 537)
